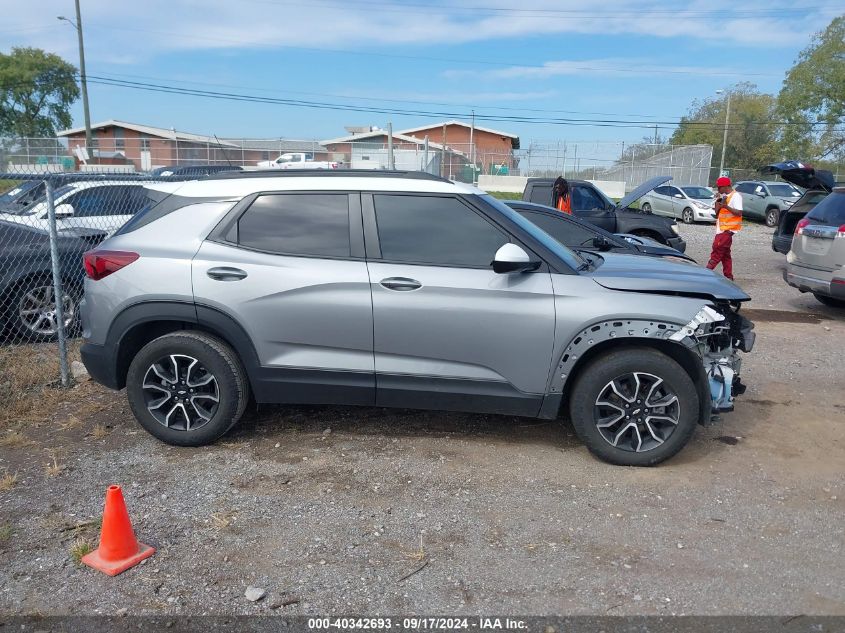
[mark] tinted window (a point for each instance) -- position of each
(541, 194)
(745, 187)
(663, 191)
(566, 232)
(297, 224)
(698, 193)
(435, 230)
(97, 201)
(830, 211)
(585, 199)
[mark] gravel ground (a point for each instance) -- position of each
(329, 509)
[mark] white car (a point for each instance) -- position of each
(104, 206)
(690, 203)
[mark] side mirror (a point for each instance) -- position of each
(678, 195)
(762, 194)
(511, 258)
(601, 242)
(64, 210)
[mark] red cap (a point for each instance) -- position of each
(724, 181)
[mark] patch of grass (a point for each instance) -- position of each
(5, 532)
(14, 439)
(80, 548)
(53, 468)
(8, 481)
(72, 422)
(99, 431)
(222, 520)
(418, 555)
(506, 195)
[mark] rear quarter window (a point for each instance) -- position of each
(830, 211)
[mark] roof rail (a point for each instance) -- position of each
(324, 173)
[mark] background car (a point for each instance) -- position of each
(580, 235)
(818, 183)
(105, 206)
(816, 262)
(591, 205)
(766, 200)
(27, 300)
(690, 203)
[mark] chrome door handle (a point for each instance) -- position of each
(400, 283)
(226, 273)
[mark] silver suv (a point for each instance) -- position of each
(816, 262)
(403, 290)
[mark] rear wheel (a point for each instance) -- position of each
(634, 407)
(687, 216)
(772, 216)
(187, 388)
(646, 208)
(33, 314)
(830, 301)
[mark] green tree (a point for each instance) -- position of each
(814, 90)
(752, 135)
(36, 91)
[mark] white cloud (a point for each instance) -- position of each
(123, 32)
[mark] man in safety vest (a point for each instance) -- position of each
(728, 221)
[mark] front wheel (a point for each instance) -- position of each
(772, 217)
(687, 216)
(830, 301)
(634, 407)
(646, 208)
(33, 314)
(187, 388)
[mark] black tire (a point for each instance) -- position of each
(215, 358)
(687, 216)
(646, 208)
(592, 383)
(830, 301)
(772, 217)
(29, 295)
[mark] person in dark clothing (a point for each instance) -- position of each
(561, 199)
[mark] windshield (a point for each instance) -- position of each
(18, 192)
(698, 193)
(784, 191)
(40, 205)
(570, 257)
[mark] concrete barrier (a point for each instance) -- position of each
(516, 184)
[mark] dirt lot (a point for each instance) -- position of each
(329, 509)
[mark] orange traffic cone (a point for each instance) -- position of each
(119, 549)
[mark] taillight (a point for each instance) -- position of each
(840, 232)
(799, 228)
(99, 264)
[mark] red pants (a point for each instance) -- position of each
(722, 253)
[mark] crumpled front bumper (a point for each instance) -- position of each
(719, 338)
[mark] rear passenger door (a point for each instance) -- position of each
(290, 269)
(449, 332)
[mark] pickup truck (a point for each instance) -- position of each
(591, 205)
(296, 160)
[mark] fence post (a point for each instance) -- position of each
(58, 295)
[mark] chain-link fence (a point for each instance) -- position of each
(48, 220)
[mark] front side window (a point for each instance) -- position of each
(784, 191)
(297, 224)
(434, 230)
(663, 191)
(585, 199)
(97, 201)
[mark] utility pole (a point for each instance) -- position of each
(83, 80)
(725, 135)
(391, 162)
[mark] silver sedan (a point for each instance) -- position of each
(690, 203)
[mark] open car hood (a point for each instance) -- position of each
(801, 174)
(643, 189)
(634, 273)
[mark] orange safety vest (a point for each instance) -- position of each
(727, 221)
(564, 205)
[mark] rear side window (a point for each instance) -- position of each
(297, 224)
(541, 194)
(830, 211)
(435, 230)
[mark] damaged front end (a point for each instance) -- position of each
(718, 333)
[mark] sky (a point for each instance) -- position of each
(547, 70)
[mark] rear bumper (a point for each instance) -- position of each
(100, 363)
(816, 281)
(677, 243)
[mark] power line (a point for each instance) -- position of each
(318, 105)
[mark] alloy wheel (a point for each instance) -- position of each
(771, 217)
(636, 412)
(687, 216)
(646, 208)
(37, 310)
(180, 393)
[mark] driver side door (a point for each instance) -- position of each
(449, 333)
(590, 206)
